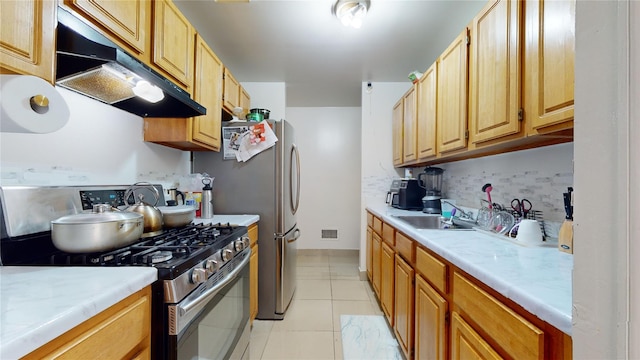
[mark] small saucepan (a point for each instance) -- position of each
(177, 216)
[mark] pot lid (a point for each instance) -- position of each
(93, 218)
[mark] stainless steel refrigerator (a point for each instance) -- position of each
(268, 184)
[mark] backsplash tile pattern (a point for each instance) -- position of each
(540, 175)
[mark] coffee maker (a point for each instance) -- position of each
(431, 181)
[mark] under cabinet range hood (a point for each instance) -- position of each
(92, 65)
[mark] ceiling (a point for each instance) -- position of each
(323, 63)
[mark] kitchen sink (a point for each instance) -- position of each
(433, 222)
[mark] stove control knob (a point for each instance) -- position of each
(238, 245)
(198, 276)
(211, 266)
(227, 254)
(246, 241)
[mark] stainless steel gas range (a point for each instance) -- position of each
(200, 302)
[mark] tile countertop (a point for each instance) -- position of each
(38, 304)
(537, 278)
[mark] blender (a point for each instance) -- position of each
(431, 181)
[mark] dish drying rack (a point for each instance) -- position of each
(531, 215)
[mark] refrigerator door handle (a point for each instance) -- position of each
(294, 203)
(296, 236)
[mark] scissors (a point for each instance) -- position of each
(522, 207)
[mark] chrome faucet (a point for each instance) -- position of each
(465, 215)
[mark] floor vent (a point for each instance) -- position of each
(329, 234)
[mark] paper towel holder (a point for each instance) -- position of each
(39, 103)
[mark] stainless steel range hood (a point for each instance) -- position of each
(91, 64)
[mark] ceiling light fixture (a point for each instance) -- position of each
(351, 12)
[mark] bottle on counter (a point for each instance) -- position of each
(189, 200)
(207, 198)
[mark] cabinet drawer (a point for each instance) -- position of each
(377, 225)
(126, 324)
(388, 234)
(434, 270)
(514, 334)
(369, 219)
(253, 234)
(404, 246)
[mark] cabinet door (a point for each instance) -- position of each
(409, 127)
(430, 322)
(28, 46)
(231, 91)
(549, 63)
(245, 101)
(207, 91)
(369, 252)
(128, 21)
(397, 132)
(467, 344)
(375, 260)
(253, 282)
(494, 71)
(173, 43)
(403, 306)
(426, 113)
(387, 269)
(452, 96)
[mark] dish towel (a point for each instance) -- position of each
(367, 337)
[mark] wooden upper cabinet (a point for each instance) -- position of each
(28, 46)
(200, 132)
(494, 72)
(231, 97)
(245, 101)
(173, 43)
(207, 91)
(426, 113)
(549, 64)
(397, 132)
(409, 126)
(452, 95)
(128, 23)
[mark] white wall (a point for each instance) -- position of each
(377, 158)
(99, 145)
(607, 173)
(268, 95)
(329, 142)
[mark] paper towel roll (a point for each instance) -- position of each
(19, 115)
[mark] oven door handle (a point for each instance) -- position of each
(183, 309)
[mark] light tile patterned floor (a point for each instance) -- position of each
(328, 286)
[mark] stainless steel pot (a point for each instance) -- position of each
(152, 216)
(100, 230)
(176, 216)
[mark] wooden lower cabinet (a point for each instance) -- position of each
(403, 306)
(120, 332)
(440, 312)
(431, 311)
(387, 281)
(369, 255)
(375, 260)
(466, 343)
(253, 272)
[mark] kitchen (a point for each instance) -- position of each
(53, 159)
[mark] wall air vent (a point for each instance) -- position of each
(329, 234)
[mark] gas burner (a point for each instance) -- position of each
(158, 257)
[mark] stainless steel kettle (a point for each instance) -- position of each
(152, 216)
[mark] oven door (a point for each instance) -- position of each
(213, 323)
